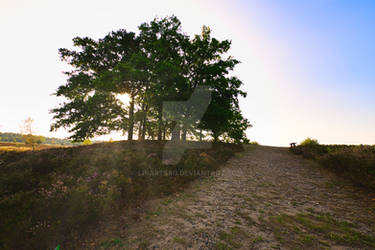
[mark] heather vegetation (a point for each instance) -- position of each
(54, 196)
(354, 162)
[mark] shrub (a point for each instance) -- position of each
(86, 142)
(309, 142)
(356, 163)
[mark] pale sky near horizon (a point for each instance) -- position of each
(308, 66)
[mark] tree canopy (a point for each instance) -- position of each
(160, 64)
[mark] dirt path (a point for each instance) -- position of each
(262, 199)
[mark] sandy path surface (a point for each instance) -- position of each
(264, 198)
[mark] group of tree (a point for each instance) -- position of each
(30, 140)
(160, 63)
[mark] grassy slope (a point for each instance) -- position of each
(50, 197)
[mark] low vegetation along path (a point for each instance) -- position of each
(263, 198)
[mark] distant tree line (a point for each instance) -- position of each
(17, 137)
(160, 63)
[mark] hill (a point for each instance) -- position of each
(55, 196)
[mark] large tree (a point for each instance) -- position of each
(208, 66)
(163, 43)
(90, 110)
(160, 64)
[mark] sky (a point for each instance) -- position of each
(308, 66)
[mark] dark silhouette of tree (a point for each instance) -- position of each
(160, 64)
(90, 109)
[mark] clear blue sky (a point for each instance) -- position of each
(308, 66)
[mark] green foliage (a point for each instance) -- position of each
(40, 140)
(112, 243)
(87, 142)
(30, 140)
(309, 142)
(33, 140)
(159, 64)
(47, 197)
(179, 240)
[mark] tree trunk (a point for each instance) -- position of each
(140, 131)
(175, 131)
(200, 135)
(183, 135)
(164, 132)
(131, 118)
(216, 136)
(144, 127)
(160, 121)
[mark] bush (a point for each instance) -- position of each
(309, 142)
(356, 163)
